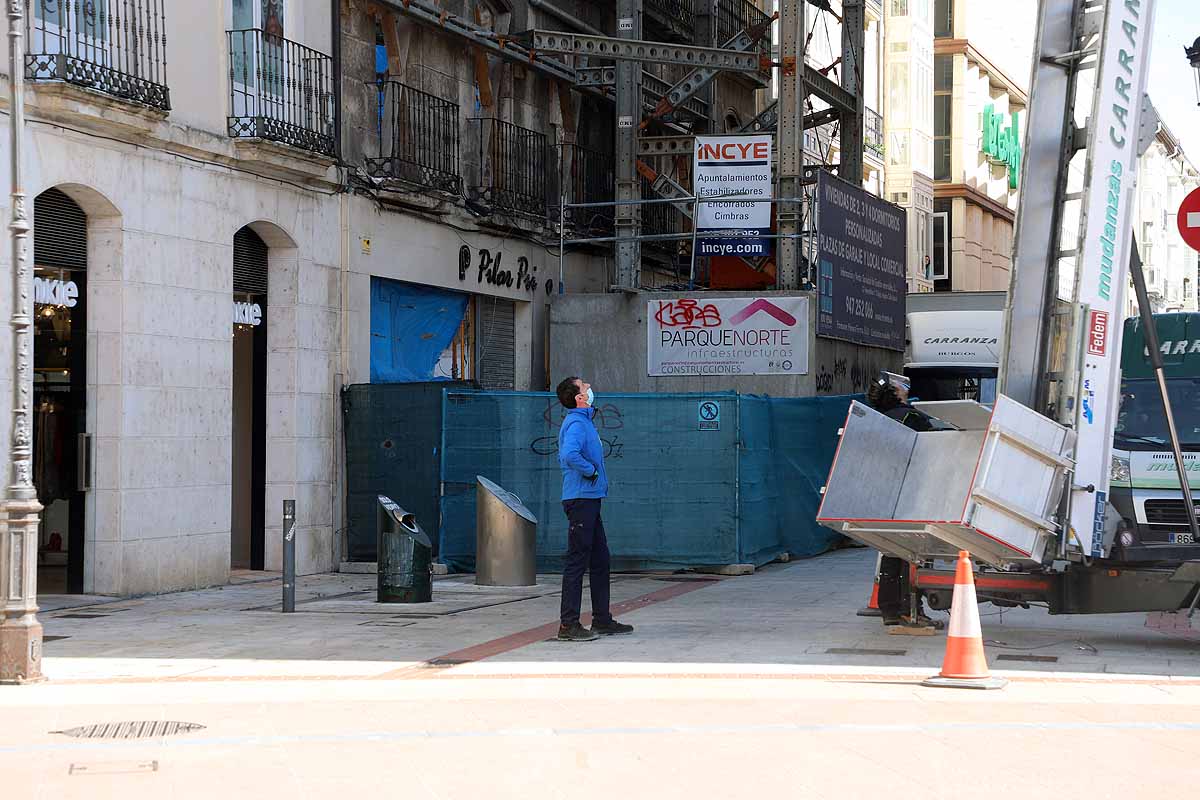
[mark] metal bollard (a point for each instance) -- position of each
(289, 556)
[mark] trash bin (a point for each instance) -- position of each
(505, 538)
(404, 555)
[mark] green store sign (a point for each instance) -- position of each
(1002, 145)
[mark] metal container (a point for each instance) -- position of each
(505, 538)
(404, 556)
(990, 487)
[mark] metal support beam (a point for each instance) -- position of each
(1049, 144)
(657, 88)
(854, 43)
(701, 77)
(666, 187)
(629, 114)
(790, 138)
(622, 49)
(429, 14)
(822, 87)
(654, 89)
(666, 145)
(767, 120)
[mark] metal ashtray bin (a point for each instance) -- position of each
(505, 538)
(404, 556)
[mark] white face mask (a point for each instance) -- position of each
(591, 398)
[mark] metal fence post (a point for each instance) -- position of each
(289, 556)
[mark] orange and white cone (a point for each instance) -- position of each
(965, 666)
(872, 609)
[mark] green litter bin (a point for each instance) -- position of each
(404, 556)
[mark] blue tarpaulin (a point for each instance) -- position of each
(410, 328)
(696, 480)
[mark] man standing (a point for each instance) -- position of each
(581, 457)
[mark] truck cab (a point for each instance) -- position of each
(953, 345)
(1144, 483)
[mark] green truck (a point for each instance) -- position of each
(1144, 481)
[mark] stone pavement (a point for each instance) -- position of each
(791, 616)
(759, 686)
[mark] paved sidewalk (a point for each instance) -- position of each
(751, 687)
(785, 618)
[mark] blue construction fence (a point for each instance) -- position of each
(695, 480)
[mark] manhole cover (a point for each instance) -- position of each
(863, 651)
(1034, 659)
(131, 730)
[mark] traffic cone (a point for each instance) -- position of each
(965, 666)
(872, 609)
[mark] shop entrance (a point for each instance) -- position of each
(61, 445)
(249, 456)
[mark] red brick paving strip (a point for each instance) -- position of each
(515, 641)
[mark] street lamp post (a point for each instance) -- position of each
(1193, 54)
(20, 631)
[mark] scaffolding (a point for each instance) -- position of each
(657, 120)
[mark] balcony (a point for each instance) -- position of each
(588, 177)
(731, 17)
(116, 47)
(669, 21)
(280, 91)
(419, 139)
(873, 134)
(512, 173)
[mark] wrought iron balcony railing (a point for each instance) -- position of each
(118, 47)
(873, 132)
(419, 138)
(670, 20)
(280, 91)
(588, 177)
(512, 167)
(735, 16)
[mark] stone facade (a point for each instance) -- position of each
(164, 194)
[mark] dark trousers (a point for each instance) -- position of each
(893, 587)
(587, 551)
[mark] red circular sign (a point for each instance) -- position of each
(1189, 219)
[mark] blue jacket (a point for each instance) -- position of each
(581, 454)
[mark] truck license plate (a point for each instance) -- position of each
(1181, 538)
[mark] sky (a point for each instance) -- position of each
(1172, 85)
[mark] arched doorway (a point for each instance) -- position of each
(249, 463)
(61, 452)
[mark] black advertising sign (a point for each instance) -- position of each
(861, 251)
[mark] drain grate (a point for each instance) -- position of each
(1034, 659)
(53, 638)
(443, 663)
(131, 730)
(863, 651)
(81, 616)
(686, 579)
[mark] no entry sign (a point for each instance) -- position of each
(1189, 220)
